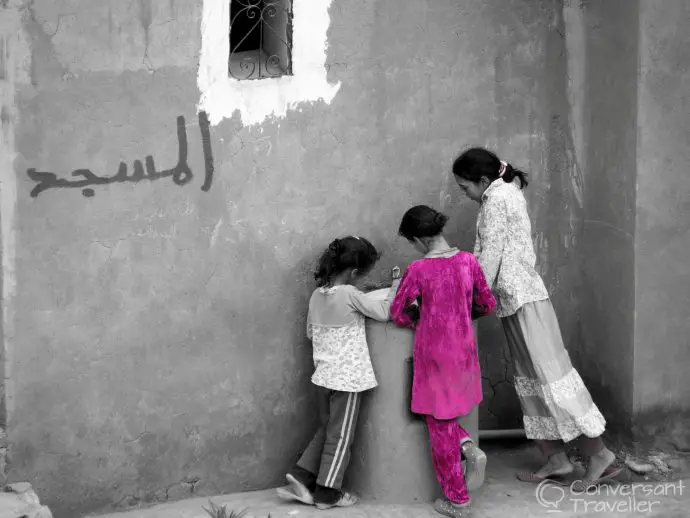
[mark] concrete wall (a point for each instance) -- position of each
(608, 67)
(628, 92)
(662, 247)
(157, 345)
(663, 203)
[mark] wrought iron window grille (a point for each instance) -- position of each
(260, 39)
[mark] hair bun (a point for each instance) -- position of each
(440, 220)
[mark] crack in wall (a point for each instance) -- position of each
(185, 488)
(499, 408)
(146, 19)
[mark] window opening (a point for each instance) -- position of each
(260, 39)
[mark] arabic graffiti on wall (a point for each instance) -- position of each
(181, 174)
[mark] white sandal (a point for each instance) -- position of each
(447, 508)
(295, 490)
(345, 500)
(475, 472)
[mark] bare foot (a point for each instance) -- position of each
(598, 464)
(558, 465)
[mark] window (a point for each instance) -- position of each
(260, 39)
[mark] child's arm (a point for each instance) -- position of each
(493, 236)
(413, 311)
(309, 325)
(376, 309)
(483, 301)
(407, 295)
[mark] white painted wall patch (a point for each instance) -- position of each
(256, 100)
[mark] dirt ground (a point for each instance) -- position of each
(663, 492)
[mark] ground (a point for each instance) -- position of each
(658, 495)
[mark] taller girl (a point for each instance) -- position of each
(556, 405)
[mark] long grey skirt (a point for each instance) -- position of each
(556, 405)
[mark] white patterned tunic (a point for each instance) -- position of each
(335, 325)
(505, 250)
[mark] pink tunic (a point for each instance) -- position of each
(451, 291)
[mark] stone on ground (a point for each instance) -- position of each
(20, 501)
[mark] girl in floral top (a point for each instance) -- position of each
(449, 290)
(557, 407)
(343, 370)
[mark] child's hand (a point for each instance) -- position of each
(413, 311)
(395, 273)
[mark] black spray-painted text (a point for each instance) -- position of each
(181, 174)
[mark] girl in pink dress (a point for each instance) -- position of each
(449, 290)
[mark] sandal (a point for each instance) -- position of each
(532, 478)
(295, 490)
(447, 508)
(608, 474)
(346, 500)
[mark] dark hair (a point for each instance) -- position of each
(341, 254)
(422, 221)
(477, 162)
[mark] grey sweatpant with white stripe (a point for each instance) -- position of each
(328, 453)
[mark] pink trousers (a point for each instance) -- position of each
(445, 438)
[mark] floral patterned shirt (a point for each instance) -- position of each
(505, 250)
(335, 325)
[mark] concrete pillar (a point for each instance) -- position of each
(391, 458)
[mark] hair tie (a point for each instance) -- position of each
(502, 169)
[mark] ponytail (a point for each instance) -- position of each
(328, 264)
(334, 246)
(511, 173)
